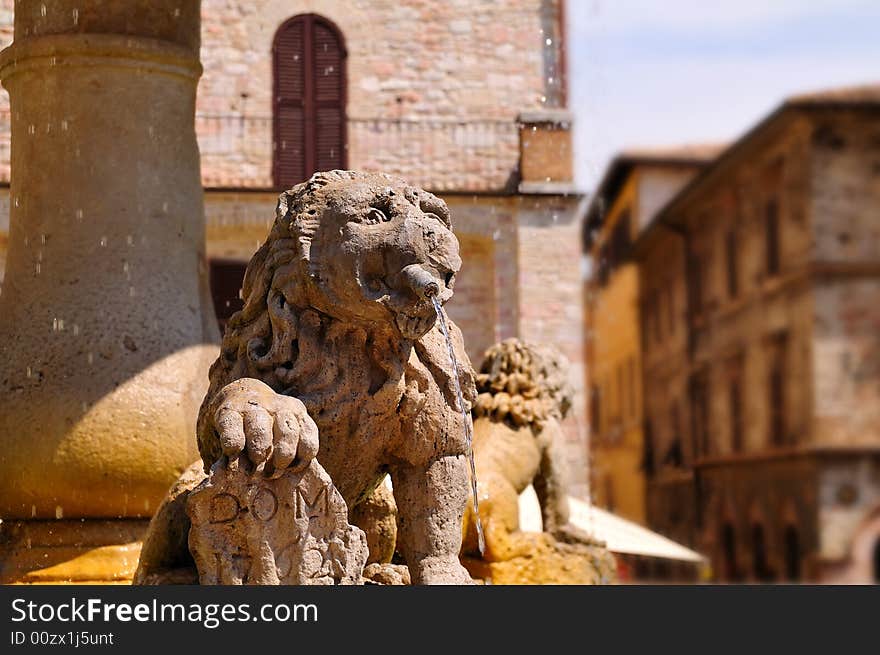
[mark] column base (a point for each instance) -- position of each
(84, 551)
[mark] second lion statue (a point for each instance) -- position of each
(338, 323)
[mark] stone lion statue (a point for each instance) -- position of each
(337, 354)
(524, 394)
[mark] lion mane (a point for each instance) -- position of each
(281, 339)
(522, 384)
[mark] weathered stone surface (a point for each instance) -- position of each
(564, 564)
(338, 327)
(105, 342)
(524, 394)
(105, 320)
(293, 529)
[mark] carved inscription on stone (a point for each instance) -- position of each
(249, 529)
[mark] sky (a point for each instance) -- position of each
(666, 72)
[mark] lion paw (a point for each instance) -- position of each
(274, 431)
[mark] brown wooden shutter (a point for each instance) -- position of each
(309, 62)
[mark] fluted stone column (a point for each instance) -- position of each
(106, 325)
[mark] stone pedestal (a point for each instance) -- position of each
(565, 564)
(106, 325)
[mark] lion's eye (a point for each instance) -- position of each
(375, 216)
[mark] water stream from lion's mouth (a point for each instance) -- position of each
(467, 423)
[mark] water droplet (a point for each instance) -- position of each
(91, 358)
(75, 329)
(125, 267)
(165, 207)
(79, 214)
(16, 204)
(33, 513)
(54, 325)
(103, 241)
(32, 129)
(548, 42)
(43, 239)
(43, 11)
(129, 239)
(59, 512)
(64, 126)
(29, 372)
(75, 16)
(37, 268)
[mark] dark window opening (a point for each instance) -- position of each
(226, 280)
(609, 494)
(736, 419)
(776, 392)
(877, 561)
(595, 409)
(731, 250)
(695, 285)
(633, 383)
(735, 400)
(615, 251)
(675, 455)
(728, 553)
(699, 397)
(792, 554)
(309, 124)
(772, 237)
(760, 566)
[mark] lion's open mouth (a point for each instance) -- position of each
(414, 326)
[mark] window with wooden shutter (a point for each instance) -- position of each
(309, 99)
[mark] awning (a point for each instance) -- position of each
(619, 535)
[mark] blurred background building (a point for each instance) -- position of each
(636, 184)
(757, 291)
(468, 101)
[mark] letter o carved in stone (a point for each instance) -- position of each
(264, 505)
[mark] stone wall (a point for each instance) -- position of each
(409, 58)
(549, 288)
(423, 62)
(846, 252)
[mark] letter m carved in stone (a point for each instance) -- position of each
(316, 507)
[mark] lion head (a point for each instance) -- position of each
(363, 248)
(523, 384)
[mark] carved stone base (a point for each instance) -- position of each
(247, 529)
(566, 564)
(90, 551)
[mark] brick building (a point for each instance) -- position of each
(761, 348)
(466, 99)
(635, 185)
